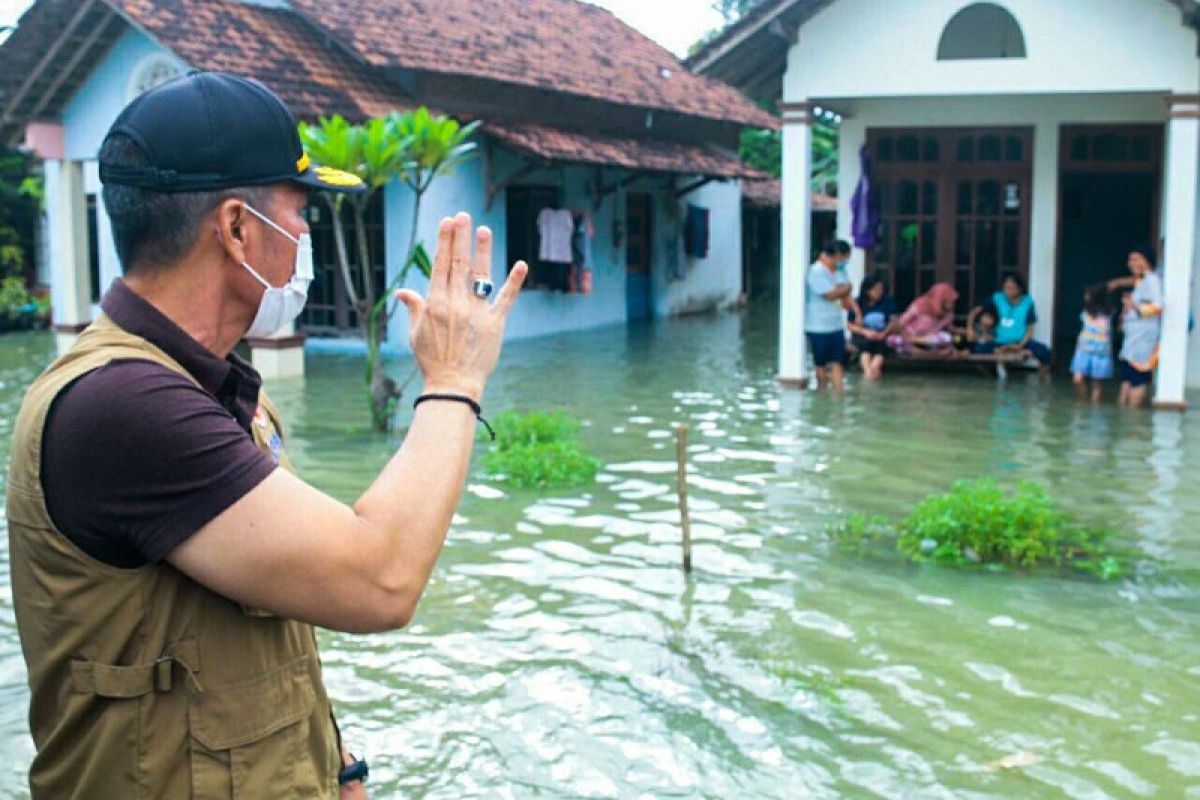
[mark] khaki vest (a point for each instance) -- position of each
(145, 684)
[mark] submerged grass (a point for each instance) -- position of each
(539, 450)
(980, 524)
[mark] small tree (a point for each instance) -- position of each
(415, 147)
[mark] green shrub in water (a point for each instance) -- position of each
(977, 523)
(539, 450)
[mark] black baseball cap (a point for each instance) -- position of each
(207, 131)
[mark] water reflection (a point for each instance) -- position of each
(560, 651)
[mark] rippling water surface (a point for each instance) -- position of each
(559, 651)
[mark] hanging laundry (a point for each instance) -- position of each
(695, 232)
(676, 264)
(863, 209)
(555, 227)
(581, 253)
(581, 240)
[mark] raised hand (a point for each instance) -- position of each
(456, 336)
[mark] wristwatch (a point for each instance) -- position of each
(356, 771)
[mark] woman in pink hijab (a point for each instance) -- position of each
(927, 324)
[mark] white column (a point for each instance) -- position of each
(70, 283)
(1043, 230)
(279, 356)
(796, 235)
(1182, 172)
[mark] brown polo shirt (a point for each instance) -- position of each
(135, 457)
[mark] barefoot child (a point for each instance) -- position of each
(1093, 352)
(872, 329)
(981, 330)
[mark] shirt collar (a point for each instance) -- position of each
(231, 380)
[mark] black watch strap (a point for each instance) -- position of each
(356, 771)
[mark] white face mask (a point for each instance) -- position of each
(282, 304)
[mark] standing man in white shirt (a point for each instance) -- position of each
(829, 293)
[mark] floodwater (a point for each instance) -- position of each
(560, 652)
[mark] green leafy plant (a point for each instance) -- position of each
(539, 450)
(21, 193)
(979, 524)
(763, 150)
(14, 298)
(414, 147)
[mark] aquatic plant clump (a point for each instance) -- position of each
(978, 524)
(539, 450)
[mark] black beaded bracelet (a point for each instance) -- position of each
(459, 398)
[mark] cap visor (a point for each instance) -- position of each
(328, 179)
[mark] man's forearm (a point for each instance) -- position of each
(412, 502)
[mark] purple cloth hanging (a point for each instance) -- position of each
(864, 210)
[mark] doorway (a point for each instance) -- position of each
(638, 258)
(1110, 185)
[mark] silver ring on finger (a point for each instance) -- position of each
(482, 288)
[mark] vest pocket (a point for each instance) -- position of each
(249, 739)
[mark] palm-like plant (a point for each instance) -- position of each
(415, 147)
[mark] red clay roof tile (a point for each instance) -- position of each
(653, 155)
(563, 45)
(313, 76)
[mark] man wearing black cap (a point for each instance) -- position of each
(167, 567)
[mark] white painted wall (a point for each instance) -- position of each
(887, 48)
(711, 282)
(1046, 114)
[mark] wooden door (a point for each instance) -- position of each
(639, 249)
(954, 207)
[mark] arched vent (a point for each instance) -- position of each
(982, 30)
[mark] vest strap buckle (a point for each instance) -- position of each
(162, 674)
(123, 682)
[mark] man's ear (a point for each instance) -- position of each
(232, 229)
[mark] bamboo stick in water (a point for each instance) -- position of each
(681, 432)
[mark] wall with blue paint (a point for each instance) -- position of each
(91, 112)
(706, 283)
(539, 312)
(711, 282)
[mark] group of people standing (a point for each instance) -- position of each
(869, 327)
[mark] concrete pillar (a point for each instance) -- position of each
(1043, 230)
(796, 235)
(279, 356)
(1182, 170)
(70, 283)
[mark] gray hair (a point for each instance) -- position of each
(154, 230)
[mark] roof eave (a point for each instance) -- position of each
(736, 35)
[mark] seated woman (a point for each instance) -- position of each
(926, 326)
(871, 331)
(1018, 319)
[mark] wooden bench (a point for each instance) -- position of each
(959, 360)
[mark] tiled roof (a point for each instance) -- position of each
(651, 155)
(313, 76)
(769, 193)
(561, 45)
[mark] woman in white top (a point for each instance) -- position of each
(1141, 320)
